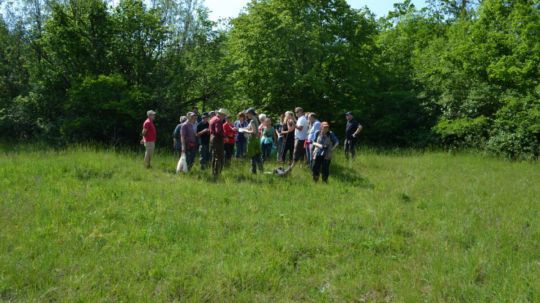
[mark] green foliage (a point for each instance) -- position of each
(463, 132)
(516, 131)
(315, 54)
(458, 73)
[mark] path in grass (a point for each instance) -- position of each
(87, 225)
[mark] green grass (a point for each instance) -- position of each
(93, 225)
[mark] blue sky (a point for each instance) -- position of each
(231, 8)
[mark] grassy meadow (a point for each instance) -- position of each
(92, 225)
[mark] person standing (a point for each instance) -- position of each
(288, 134)
(267, 139)
(177, 137)
(314, 127)
(254, 142)
(203, 133)
(279, 142)
(228, 139)
(323, 147)
(352, 130)
(149, 134)
(300, 135)
(189, 139)
(240, 137)
(216, 141)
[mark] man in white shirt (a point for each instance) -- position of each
(300, 134)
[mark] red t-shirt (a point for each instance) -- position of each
(151, 133)
(229, 133)
(216, 127)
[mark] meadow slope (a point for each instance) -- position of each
(89, 225)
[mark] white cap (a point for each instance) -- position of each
(150, 112)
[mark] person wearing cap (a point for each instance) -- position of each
(240, 137)
(254, 141)
(229, 135)
(149, 134)
(300, 134)
(203, 133)
(352, 130)
(216, 141)
(177, 137)
(323, 146)
(189, 139)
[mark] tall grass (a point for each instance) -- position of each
(88, 224)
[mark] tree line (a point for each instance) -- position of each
(455, 74)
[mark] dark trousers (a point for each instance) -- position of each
(190, 157)
(279, 147)
(266, 151)
(287, 148)
(217, 149)
(241, 148)
(321, 164)
(204, 152)
(229, 151)
(350, 148)
(256, 161)
(299, 150)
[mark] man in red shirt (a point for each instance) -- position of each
(149, 135)
(216, 141)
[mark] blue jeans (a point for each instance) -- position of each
(241, 148)
(204, 151)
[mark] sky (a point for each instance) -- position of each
(231, 8)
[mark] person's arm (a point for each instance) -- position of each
(358, 131)
(183, 139)
(143, 132)
(335, 140)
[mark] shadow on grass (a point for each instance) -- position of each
(349, 176)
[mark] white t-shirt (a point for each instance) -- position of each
(302, 134)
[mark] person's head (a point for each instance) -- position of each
(192, 117)
(205, 117)
(222, 113)
(282, 117)
(325, 127)
(262, 117)
(182, 119)
(349, 116)
(299, 112)
(151, 115)
(289, 115)
(268, 122)
(211, 114)
(312, 117)
(251, 113)
(195, 110)
(241, 116)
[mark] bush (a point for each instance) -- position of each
(516, 129)
(463, 132)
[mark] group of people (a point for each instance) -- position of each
(298, 137)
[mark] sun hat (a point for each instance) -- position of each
(150, 112)
(349, 114)
(223, 111)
